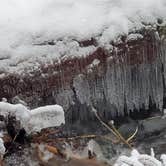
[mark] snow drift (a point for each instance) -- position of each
(35, 32)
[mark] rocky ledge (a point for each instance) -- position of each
(126, 80)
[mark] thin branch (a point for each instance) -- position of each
(133, 135)
(112, 130)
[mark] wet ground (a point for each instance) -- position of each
(151, 134)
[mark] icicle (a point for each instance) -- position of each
(152, 152)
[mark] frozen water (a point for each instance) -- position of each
(2, 147)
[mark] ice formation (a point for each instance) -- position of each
(120, 82)
(2, 148)
(36, 119)
(94, 147)
(36, 32)
(137, 159)
(45, 39)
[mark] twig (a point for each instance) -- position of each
(113, 129)
(7, 150)
(121, 137)
(110, 139)
(133, 135)
(104, 124)
(83, 136)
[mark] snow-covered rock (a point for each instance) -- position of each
(163, 158)
(19, 111)
(44, 117)
(36, 119)
(35, 32)
(129, 78)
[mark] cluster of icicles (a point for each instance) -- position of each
(137, 159)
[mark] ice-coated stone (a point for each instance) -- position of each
(128, 80)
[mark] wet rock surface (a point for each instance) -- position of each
(145, 139)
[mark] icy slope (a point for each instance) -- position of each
(37, 32)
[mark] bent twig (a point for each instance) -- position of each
(112, 130)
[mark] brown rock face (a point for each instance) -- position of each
(128, 78)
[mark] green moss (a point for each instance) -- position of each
(162, 31)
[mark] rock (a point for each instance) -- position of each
(126, 81)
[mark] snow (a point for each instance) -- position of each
(36, 119)
(28, 26)
(163, 158)
(134, 37)
(94, 147)
(44, 117)
(21, 113)
(94, 64)
(137, 159)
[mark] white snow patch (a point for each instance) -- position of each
(44, 117)
(21, 113)
(163, 158)
(137, 159)
(95, 62)
(134, 36)
(26, 25)
(36, 119)
(94, 147)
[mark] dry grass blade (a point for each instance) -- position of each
(111, 139)
(121, 137)
(52, 149)
(112, 130)
(104, 124)
(133, 135)
(79, 137)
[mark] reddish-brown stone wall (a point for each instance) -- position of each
(59, 76)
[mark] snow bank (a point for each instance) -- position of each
(33, 32)
(36, 119)
(137, 159)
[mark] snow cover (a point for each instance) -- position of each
(21, 113)
(137, 159)
(36, 119)
(37, 31)
(44, 117)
